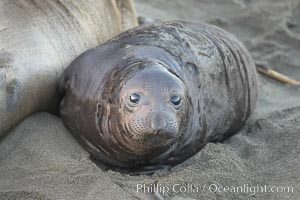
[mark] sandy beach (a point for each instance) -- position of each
(39, 159)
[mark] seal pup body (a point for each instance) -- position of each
(156, 94)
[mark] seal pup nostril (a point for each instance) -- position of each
(158, 123)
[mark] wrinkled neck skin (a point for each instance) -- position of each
(149, 113)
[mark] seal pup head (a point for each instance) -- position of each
(152, 106)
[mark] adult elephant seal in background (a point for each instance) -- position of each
(155, 95)
(39, 39)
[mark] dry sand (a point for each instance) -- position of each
(39, 159)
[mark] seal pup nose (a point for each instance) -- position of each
(158, 123)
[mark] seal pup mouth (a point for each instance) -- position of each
(159, 136)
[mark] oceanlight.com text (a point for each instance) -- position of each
(213, 188)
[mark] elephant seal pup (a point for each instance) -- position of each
(156, 94)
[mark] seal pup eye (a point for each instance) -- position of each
(135, 98)
(175, 99)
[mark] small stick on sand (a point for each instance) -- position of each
(275, 75)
